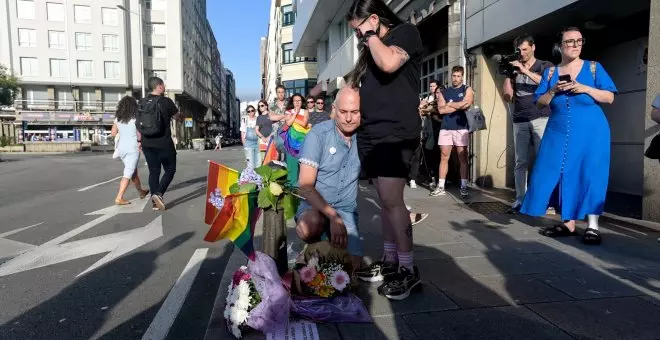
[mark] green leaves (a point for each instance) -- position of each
(267, 200)
(278, 174)
(242, 189)
(290, 205)
(265, 172)
(234, 188)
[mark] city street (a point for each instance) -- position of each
(73, 266)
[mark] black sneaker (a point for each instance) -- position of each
(377, 271)
(401, 284)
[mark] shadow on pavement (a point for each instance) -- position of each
(200, 191)
(80, 310)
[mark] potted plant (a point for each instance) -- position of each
(279, 202)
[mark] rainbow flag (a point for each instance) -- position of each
(219, 177)
(236, 221)
(293, 137)
(271, 152)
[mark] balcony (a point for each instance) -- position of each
(65, 106)
(314, 18)
(341, 62)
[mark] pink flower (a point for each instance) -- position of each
(307, 274)
(240, 275)
(340, 280)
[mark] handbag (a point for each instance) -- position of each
(653, 151)
(115, 155)
(476, 119)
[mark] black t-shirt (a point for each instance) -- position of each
(525, 109)
(389, 101)
(316, 117)
(265, 125)
(167, 111)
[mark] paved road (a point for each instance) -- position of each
(114, 273)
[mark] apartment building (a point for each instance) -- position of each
(77, 58)
(296, 73)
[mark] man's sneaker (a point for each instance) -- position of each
(439, 191)
(158, 202)
(401, 284)
(377, 271)
(413, 184)
(154, 207)
(464, 192)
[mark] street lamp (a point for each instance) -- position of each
(139, 14)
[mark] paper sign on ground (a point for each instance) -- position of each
(298, 330)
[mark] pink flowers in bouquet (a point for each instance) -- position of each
(325, 279)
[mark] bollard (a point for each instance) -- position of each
(274, 238)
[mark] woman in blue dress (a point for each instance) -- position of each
(572, 168)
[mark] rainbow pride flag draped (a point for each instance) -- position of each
(271, 152)
(219, 177)
(236, 221)
(293, 137)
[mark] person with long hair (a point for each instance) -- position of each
(250, 138)
(293, 132)
(388, 73)
(264, 127)
(571, 172)
(128, 147)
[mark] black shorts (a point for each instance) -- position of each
(387, 157)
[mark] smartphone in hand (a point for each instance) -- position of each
(565, 78)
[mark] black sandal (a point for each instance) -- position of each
(592, 237)
(558, 230)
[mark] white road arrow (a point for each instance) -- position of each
(116, 244)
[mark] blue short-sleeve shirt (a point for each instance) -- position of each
(337, 164)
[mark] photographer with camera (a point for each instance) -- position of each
(523, 74)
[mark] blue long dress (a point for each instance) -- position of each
(571, 172)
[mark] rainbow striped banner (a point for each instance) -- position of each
(219, 177)
(237, 221)
(293, 137)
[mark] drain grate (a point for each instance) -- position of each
(488, 208)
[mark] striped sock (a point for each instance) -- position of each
(406, 260)
(389, 255)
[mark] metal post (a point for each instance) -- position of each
(141, 48)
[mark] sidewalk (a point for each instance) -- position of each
(492, 276)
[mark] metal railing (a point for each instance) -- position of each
(65, 105)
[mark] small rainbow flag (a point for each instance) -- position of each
(236, 221)
(219, 177)
(293, 137)
(271, 152)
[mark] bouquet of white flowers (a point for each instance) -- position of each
(241, 299)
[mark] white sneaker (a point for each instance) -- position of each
(413, 185)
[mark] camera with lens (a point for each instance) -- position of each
(505, 68)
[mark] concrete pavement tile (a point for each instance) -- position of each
(505, 264)
(423, 234)
(588, 283)
(652, 299)
(618, 318)
(427, 300)
(445, 250)
(483, 323)
(529, 246)
(384, 327)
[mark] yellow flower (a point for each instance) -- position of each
(275, 188)
(325, 291)
(318, 280)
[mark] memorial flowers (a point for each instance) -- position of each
(242, 298)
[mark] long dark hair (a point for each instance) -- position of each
(265, 103)
(289, 105)
(360, 10)
(126, 109)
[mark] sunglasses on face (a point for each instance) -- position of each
(310, 102)
(320, 103)
(250, 111)
(358, 33)
(262, 105)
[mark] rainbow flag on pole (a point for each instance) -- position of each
(219, 177)
(237, 221)
(271, 152)
(293, 137)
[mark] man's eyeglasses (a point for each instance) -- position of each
(320, 103)
(574, 42)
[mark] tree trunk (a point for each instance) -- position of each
(274, 238)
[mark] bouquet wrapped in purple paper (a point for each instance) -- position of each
(322, 271)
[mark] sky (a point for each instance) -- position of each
(239, 33)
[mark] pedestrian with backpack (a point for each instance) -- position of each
(153, 121)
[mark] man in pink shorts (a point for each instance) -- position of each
(452, 103)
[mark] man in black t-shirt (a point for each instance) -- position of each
(159, 150)
(318, 114)
(528, 120)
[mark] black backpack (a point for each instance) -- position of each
(149, 120)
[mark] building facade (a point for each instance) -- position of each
(233, 104)
(76, 59)
(281, 67)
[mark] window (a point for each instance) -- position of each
(56, 39)
(110, 16)
(157, 5)
(111, 69)
(326, 49)
(27, 37)
(58, 68)
(85, 69)
(345, 30)
(29, 67)
(434, 67)
(82, 14)
(110, 43)
(156, 28)
(302, 86)
(25, 9)
(288, 15)
(54, 11)
(287, 53)
(159, 52)
(83, 41)
(162, 74)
